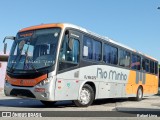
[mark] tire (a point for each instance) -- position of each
(86, 96)
(139, 95)
(48, 103)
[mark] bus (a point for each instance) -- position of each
(61, 61)
(159, 76)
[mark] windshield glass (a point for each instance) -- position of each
(34, 49)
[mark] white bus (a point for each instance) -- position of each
(57, 62)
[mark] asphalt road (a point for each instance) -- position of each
(149, 104)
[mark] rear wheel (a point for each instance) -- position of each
(48, 103)
(139, 95)
(86, 96)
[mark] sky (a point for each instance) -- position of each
(135, 23)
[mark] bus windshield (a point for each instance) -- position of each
(34, 49)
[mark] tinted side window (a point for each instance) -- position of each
(124, 58)
(136, 61)
(151, 67)
(69, 53)
(156, 68)
(106, 53)
(147, 65)
(92, 49)
(110, 54)
(87, 48)
(143, 64)
(96, 50)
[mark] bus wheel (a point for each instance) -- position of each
(86, 97)
(139, 94)
(48, 103)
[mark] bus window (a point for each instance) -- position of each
(136, 61)
(110, 54)
(124, 58)
(147, 65)
(69, 53)
(106, 53)
(91, 49)
(159, 76)
(44, 45)
(143, 64)
(139, 62)
(114, 55)
(96, 50)
(151, 67)
(87, 47)
(156, 68)
(75, 51)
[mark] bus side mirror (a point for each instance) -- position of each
(5, 44)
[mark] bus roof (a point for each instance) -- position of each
(64, 25)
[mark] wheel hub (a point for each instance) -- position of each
(85, 96)
(140, 93)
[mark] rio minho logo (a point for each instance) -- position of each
(111, 74)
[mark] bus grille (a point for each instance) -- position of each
(22, 92)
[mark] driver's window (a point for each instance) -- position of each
(69, 53)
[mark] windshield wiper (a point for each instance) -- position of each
(15, 60)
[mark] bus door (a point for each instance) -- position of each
(67, 83)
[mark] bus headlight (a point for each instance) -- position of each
(45, 81)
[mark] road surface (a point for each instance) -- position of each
(149, 104)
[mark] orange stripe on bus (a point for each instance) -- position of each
(150, 86)
(25, 82)
(41, 27)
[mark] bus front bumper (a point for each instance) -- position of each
(36, 92)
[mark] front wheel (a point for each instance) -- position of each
(86, 96)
